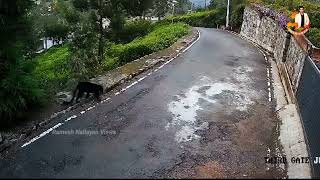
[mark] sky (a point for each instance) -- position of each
(200, 2)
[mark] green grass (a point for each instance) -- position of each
(314, 36)
(19, 90)
(52, 67)
(200, 19)
(160, 38)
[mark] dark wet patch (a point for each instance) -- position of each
(231, 63)
(226, 97)
(221, 132)
(211, 134)
(160, 77)
(182, 95)
(76, 142)
(175, 98)
(203, 89)
(222, 79)
(236, 147)
(65, 162)
(117, 118)
(151, 147)
(169, 120)
(147, 124)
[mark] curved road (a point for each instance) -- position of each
(205, 114)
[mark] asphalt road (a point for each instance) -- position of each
(205, 114)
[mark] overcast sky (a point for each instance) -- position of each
(200, 2)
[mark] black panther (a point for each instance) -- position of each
(86, 87)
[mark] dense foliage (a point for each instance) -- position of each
(18, 89)
(54, 72)
(314, 36)
(87, 29)
(160, 38)
(210, 18)
(52, 69)
(132, 30)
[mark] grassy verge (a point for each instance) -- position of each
(210, 18)
(35, 82)
(52, 68)
(160, 38)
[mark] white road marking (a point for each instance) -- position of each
(193, 42)
(161, 66)
(141, 79)
(269, 95)
(107, 99)
(41, 135)
(91, 108)
(72, 117)
(136, 82)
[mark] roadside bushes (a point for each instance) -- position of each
(236, 17)
(161, 37)
(19, 90)
(210, 18)
(314, 36)
(52, 68)
(53, 71)
(131, 30)
(314, 18)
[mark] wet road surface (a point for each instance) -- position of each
(206, 114)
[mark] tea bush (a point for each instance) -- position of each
(161, 37)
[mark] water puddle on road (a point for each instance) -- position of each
(185, 107)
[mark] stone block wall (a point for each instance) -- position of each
(267, 33)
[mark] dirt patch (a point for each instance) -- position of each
(211, 169)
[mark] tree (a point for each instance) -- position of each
(218, 4)
(161, 7)
(138, 7)
(18, 89)
(182, 6)
(90, 23)
(14, 32)
(48, 21)
(97, 11)
(236, 10)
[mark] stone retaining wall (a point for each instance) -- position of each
(286, 49)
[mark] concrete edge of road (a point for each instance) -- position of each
(291, 132)
(186, 43)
